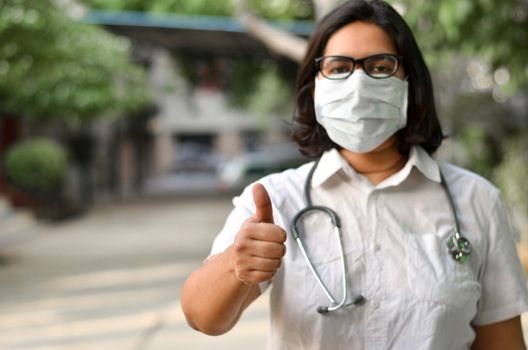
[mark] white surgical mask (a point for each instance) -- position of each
(359, 113)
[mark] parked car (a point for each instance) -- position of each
(196, 158)
(241, 170)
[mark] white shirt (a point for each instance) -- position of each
(394, 236)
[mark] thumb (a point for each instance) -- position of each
(264, 210)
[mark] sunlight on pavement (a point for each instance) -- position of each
(249, 333)
(139, 275)
(96, 305)
(78, 329)
(111, 281)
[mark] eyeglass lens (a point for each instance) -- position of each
(379, 66)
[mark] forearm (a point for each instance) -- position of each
(213, 297)
(506, 334)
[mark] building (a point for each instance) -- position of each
(194, 127)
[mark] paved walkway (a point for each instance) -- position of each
(111, 280)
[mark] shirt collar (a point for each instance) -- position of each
(329, 164)
(332, 162)
(419, 159)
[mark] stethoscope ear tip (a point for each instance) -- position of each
(360, 300)
(322, 309)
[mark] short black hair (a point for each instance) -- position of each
(423, 127)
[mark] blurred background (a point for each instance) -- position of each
(126, 126)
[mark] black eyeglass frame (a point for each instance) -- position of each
(359, 61)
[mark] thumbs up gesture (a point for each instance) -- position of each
(259, 245)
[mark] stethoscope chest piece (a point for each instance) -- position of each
(459, 248)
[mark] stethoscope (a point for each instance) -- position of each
(457, 245)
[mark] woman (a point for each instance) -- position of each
(366, 111)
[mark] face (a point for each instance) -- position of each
(358, 40)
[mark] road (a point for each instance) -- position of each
(111, 280)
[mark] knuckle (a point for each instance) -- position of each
(263, 277)
(276, 234)
(282, 250)
(242, 268)
(241, 263)
(245, 230)
(239, 247)
(283, 236)
(269, 276)
(279, 250)
(238, 264)
(243, 276)
(277, 264)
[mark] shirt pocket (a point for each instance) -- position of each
(434, 276)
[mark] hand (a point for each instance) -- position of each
(259, 245)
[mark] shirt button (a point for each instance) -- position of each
(376, 304)
(376, 247)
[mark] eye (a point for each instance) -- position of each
(380, 69)
(335, 68)
(381, 66)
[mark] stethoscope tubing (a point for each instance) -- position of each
(337, 232)
(458, 246)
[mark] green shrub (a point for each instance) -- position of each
(510, 176)
(37, 165)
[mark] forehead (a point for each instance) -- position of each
(359, 39)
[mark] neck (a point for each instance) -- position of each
(379, 164)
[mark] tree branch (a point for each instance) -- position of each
(277, 40)
(322, 7)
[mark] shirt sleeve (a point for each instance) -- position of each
(243, 210)
(504, 291)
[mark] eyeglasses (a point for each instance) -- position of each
(341, 67)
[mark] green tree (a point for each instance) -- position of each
(485, 39)
(52, 66)
(511, 177)
(248, 78)
(493, 31)
(273, 9)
